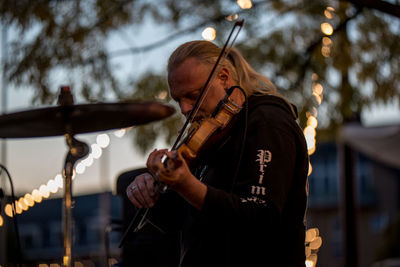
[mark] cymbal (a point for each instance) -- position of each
(83, 118)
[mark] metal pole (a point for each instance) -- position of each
(104, 203)
(76, 151)
(348, 205)
(67, 215)
(3, 159)
(4, 92)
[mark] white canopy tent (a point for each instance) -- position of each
(378, 143)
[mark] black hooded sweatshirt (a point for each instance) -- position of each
(254, 209)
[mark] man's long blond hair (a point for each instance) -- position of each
(252, 82)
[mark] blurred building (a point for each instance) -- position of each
(376, 194)
(100, 220)
(97, 219)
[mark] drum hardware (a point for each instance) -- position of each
(68, 119)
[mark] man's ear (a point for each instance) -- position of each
(224, 76)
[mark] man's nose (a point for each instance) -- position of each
(185, 108)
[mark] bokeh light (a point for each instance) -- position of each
(80, 168)
(44, 191)
(328, 14)
(326, 41)
(52, 186)
(88, 161)
(312, 121)
(244, 4)
(317, 88)
(37, 196)
(59, 180)
(232, 17)
(163, 94)
(326, 28)
(325, 51)
(96, 149)
(18, 207)
(209, 34)
(29, 200)
(103, 140)
(8, 210)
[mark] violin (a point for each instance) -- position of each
(193, 142)
(205, 134)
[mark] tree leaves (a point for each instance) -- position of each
(281, 39)
(154, 87)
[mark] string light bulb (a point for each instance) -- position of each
(209, 34)
(8, 210)
(232, 17)
(53, 185)
(103, 140)
(59, 180)
(326, 28)
(80, 168)
(313, 242)
(244, 4)
(37, 197)
(29, 200)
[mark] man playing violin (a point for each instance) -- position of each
(244, 202)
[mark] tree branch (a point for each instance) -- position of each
(173, 36)
(305, 57)
(383, 6)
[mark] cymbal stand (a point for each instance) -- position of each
(77, 150)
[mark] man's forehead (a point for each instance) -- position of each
(189, 74)
(187, 68)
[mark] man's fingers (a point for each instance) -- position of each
(154, 161)
(149, 181)
(142, 195)
(132, 198)
(141, 191)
